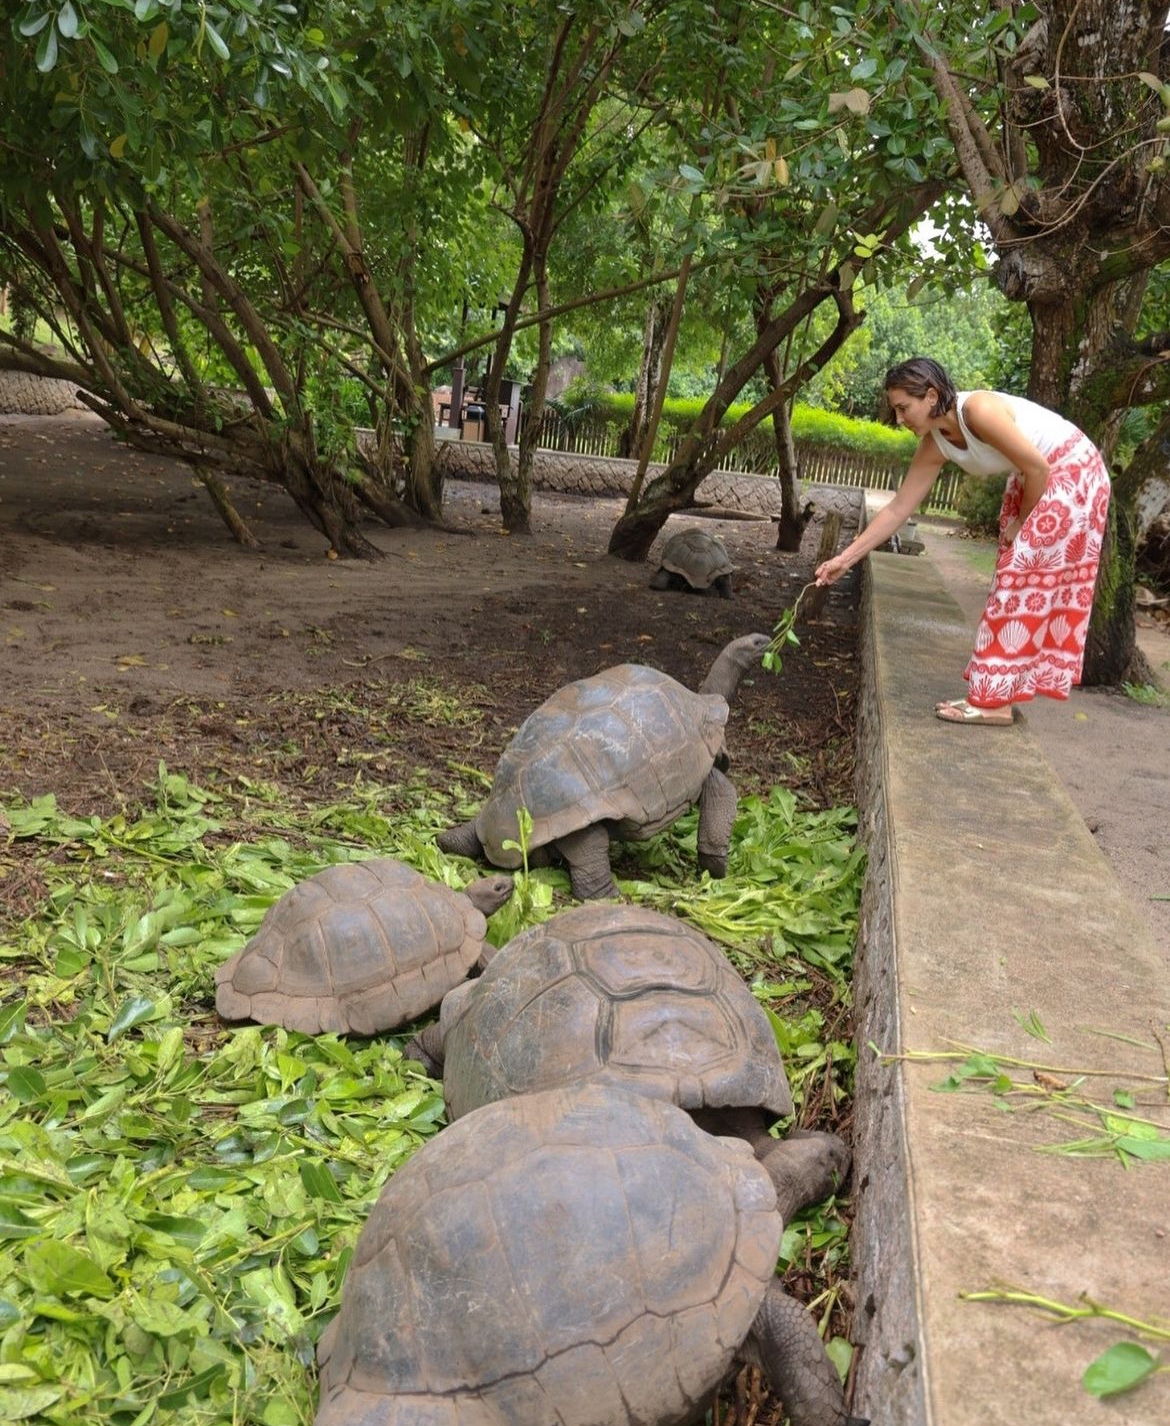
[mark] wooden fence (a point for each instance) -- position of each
(595, 434)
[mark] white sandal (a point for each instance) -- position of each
(968, 713)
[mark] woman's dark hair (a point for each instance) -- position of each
(914, 377)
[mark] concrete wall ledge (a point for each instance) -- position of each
(987, 897)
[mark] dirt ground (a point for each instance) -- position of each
(133, 630)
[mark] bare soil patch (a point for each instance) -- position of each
(135, 631)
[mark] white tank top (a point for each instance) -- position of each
(1044, 428)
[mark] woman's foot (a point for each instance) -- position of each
(960, 711)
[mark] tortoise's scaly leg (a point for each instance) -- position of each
(717, 803)
(785, 1344)
(587, 853)
(462, 841)
(427, 1048)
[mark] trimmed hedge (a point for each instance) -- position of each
(809, 423)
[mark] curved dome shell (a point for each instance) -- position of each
(700, 557)
(357, 948)
(630, 746)
(577, 1256)
(617, 995)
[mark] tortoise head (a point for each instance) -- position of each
(489, 893)
(733, 663)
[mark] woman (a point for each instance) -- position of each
(1031, 639)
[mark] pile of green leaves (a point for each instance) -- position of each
(179, 1202)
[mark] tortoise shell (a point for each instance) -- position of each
(699, 556)
(577, 1256)
(629, 746)
(612, 994)
(358, 948)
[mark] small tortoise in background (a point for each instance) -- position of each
(624, 754)
(359, 948)
(616, 995)
(695, 560)
(583, 1257)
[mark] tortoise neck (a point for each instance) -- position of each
(725, 675)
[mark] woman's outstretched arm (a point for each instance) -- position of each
(920, 476)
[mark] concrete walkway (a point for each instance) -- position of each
(1111, 753)
(994, 926)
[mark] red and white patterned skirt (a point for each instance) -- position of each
(1031, 639)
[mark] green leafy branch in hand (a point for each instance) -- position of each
(783, 634)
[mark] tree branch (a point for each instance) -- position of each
(590, 299)
(973, 148)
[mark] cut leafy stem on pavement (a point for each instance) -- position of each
(1124, 1126)
(1120, 1367)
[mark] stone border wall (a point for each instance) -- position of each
(885, 1322)
(569, 474)
(22, 394)
(987, 901)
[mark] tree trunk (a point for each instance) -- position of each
(324, 497)
(1144, 486)
(228, 513)
(705, 444)
(515, 500)
(1072, 342)
(649, 375)
(1111, 643)
(528, 436)
(790, 526)
(394, 512)
(654, 413)
(424, 480)
(1062, 174)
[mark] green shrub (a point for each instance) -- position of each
(827, 428)
(978, 503)
(809, 423)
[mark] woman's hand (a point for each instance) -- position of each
(1009, 533)
(832, 570)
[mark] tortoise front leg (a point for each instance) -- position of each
(785, 1344)
(462, 841)
(587, 853)
(717, 803)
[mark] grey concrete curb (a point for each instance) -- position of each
(986, 897)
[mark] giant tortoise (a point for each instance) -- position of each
(579, 1257)
(613, 995)
(694, 560)
(623, 753)
(359, 948)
